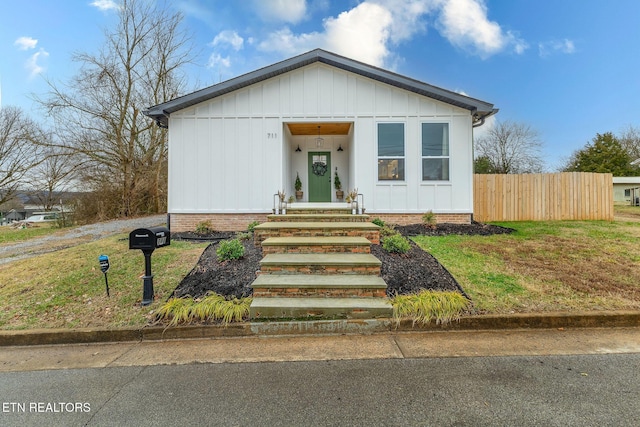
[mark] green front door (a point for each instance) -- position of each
(319, 177)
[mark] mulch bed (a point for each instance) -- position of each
(404, 273)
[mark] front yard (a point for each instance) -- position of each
(542, 267)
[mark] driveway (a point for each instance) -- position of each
(67, 238)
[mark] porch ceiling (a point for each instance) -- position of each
(319, 128)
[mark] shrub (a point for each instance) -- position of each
(429, 219)
(396, 244)
(443, 307)
(210, 308)
(387, 230)
(230, 249)
(298, 183)
(243, 236)
(379, 222)
(204, 227)
(251, 226)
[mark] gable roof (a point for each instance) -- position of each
(480, 109)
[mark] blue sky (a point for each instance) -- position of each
(568, 68)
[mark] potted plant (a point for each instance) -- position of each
(298, 187)
(338, 186)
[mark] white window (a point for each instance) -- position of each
(435, 151)
(391, 155)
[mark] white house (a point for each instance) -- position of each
(404, 144)
(625, 188)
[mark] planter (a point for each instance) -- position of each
(340, 194)
(299, 195)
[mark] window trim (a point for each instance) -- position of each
(448, 157)
(403, 157)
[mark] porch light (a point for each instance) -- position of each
(319, 140)
(340, 148)
(298, 149)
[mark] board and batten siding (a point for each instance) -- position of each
(231, 153)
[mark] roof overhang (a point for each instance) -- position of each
(480, 110)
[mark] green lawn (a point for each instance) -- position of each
(546, 266)
(66, 289)
(9, 234)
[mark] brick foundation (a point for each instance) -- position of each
(406, 219)
(219, 222)
(240, 221)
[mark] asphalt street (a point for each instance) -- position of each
(586, 390)
(581, 377)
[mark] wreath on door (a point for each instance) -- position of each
(319, 168)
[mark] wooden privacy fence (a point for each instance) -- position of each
(543, 197)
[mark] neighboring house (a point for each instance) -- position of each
(625, 188)
(405, 145)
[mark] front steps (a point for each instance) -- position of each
(317, 229)
(318, 264)
(321, 264)
(299, 245)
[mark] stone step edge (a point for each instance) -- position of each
(322, 302)
(318, 216)
(316, 241)
(355, 307)
(315, 225)
(331, 281)
(341, 259)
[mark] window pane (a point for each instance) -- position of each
(390, 139)
(435, 139)
(435, 169)
(391, 169)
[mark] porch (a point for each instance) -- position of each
(315, 152)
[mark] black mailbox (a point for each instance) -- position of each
(149, 238)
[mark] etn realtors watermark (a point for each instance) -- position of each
(46, 407)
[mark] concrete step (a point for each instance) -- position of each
(319, 208)
(327, 285)
(321, 308)
(367, 230)
(318, 244)
(320, 264)
(318, 217)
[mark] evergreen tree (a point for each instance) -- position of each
(604, 154)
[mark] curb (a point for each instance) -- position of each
(615, 319)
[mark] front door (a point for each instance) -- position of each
(319, 177)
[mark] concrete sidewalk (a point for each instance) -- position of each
(319, 327)
(388, 345)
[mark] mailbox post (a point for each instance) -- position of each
(147, 240)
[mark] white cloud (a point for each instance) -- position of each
(33, 63)
(288, 43)
(218, 61)
(466, 25)
(228, 37)
(361, 33)
(105, 5)
(368, 31)
(25, 43)
(408, 16)
(565, 46)
(290, 11)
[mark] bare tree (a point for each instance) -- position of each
(52, 177)
(99, 112)
(511, 147)
(18, 151)
(630, 142)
